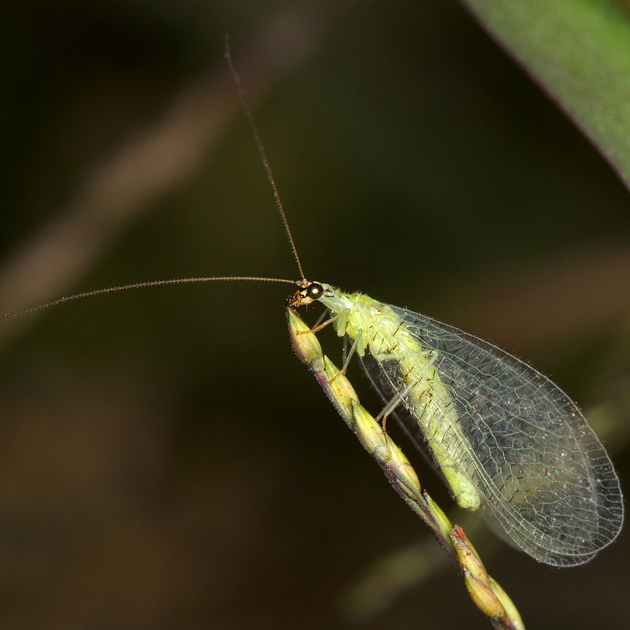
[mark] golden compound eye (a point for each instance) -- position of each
(315, 291)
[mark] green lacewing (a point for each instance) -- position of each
(507, 440)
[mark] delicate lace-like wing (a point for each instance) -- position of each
(541, 470)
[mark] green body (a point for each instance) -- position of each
(377, 328)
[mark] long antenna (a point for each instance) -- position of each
(261, 149)
(142, 285)
(156, 283)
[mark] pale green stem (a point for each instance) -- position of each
(487, 595)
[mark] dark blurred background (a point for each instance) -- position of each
(165, 462)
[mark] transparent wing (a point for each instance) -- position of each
(541, 470)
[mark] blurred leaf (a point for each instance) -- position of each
(579, 52)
